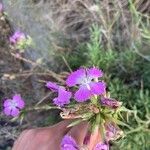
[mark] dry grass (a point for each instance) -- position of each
(119, 20)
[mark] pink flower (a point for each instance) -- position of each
(101, 146)
(13, 106)
(52, 86)
(63, 97)
(111, 103)
(88, 87)
(68, 143)
(16, 37)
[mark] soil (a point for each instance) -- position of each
(11, 83)
(8, 84)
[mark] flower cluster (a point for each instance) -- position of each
(87, 83)
(20, 40)
(85, 87)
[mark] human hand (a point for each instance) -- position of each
(49, 138)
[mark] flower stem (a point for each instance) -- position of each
(45, 107)
(94, 100)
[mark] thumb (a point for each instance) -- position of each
(79, 132)
(94, 138)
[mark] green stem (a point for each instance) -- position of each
(94, 100)
(102, 130)
(98, 119)
(100, 123)
(46, 107)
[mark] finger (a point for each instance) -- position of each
(23, 140)
(94, 138)
(61, 127)
(55, 134)
(79, 132)
(34, 138)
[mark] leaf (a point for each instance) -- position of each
(21, 118)
(87, 116)
(14, 119)
(123, 124)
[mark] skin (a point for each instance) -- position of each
(49, 138)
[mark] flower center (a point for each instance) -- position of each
(13, 104)
(86, 81)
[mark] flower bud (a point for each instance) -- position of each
(112, 103)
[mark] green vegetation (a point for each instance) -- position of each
(119, 44)
(127, 76)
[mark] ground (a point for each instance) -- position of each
(12, 81)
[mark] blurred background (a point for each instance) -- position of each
(111, 34)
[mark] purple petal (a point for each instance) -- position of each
(68, 140)
(68, 147)
(52, 86)
(68, 143)
(110, 103)
(94, 73)
(98, 88)
(12, 40)
(76, 77)
(82, 94)
(63, 97)
(17, 97)
(57, 102)
(16, 37)
(7, 111)
(7, 103)
(19, 35)
(19, 101)
(15, 112)
(101, 146)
